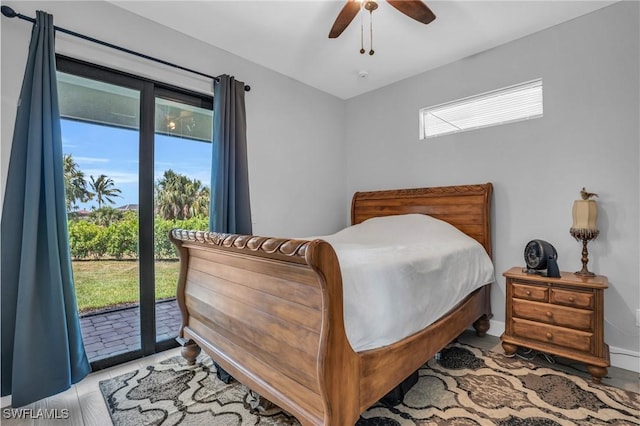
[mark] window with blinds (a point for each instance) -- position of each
(514, 103)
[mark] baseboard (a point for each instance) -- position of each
(620, 357)
(624, 358)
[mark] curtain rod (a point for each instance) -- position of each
(10, 13)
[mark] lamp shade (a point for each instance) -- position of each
(585, 213)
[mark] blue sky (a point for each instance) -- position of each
(114, 152)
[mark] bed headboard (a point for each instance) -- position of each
(467, 207)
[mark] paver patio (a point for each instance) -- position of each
(118, 331)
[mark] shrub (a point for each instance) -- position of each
(164, 248)
(120, 239)
(84, 239)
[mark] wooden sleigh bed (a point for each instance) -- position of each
(270, 310)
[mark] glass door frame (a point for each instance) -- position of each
(149, 90)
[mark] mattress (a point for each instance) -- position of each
(401, 273)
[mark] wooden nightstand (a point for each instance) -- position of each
(561, 316)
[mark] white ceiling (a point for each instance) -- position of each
(291, 36)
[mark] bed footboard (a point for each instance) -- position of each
(269, 311)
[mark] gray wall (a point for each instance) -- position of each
(588, 137)
(294, 130)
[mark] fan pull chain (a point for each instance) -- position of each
(370, 5)
(362, 34)
(371, 51)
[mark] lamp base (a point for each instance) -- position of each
(585, 273)
(585, 237)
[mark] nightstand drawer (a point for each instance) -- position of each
(567, 338)
(552, 314)
(578, 299)
(530, 292)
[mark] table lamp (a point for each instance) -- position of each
(585, 213)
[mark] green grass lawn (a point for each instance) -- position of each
(108, 283)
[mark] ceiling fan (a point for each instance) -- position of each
(415, 9)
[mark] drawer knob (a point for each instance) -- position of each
(549, 314)
(549, 336)
(572, 299)
(528, 293)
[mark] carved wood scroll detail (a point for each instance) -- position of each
(291, 248)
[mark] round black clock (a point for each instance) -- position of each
(537, 254)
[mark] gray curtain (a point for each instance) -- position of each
(42, 350)
(229, 211)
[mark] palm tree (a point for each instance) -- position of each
(75, 185)
(104, 190)
(200, 204)
(178, 197)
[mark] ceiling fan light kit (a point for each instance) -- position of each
(415, 9)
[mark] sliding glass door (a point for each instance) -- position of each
(137, 163)
(182, 170)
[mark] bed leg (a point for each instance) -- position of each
(481, 325)
(190, 351)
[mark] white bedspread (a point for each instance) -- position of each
(401, 273)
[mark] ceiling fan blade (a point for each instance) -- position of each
(415, 9)
(346, 15)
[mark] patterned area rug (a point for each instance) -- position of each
(467, 386)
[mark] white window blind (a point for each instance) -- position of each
(519, 102)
